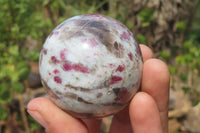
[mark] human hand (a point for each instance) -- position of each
(147, 112)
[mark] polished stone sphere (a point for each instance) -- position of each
(91, 66)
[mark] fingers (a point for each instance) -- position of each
(144, 114)
(93, 125)
(121, 121)
(53, 119)
(155, 82)
(146, 52)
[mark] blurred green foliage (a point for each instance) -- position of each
(181, 25)
(18, 19)
(13, 70)
(175, 132)
(4, 113)
(165, 55)
(141, 39)
(146, 16)
(184, 60)
(33, 123)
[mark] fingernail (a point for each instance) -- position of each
(36, 115)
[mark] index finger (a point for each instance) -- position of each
(155, 82)
(146, 52)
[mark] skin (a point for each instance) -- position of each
(147, 112)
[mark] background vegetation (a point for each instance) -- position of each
(171, 28)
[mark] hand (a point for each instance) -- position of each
(147, 112)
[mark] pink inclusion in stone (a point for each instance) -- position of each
(125, 36)
(112, 65)
(54, 59)
(99, 94)
(44, 51)
(129, 33)
(120, 68)
(62, 55)
(115, 79)
(57, 79)
(56, 71)
(130, 56)
(67, 67)
(80, 68)
(93, 43)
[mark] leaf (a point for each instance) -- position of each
(175, 132)
(17, 87)
(188, 58)
(15, 29)
(165, 55)
(172, 69)
(14, 76)
(180, 60)
(5, 93)
(34, 55)
(14, 50)
(146, 16)
(46, 2)
(4, 115)
(185, 89)
(181, 25)
(2, 46)
(187, 45)
(23, 70)
(145, 24)
(183, 77)
(55, 5)
(141, 39)
(33, 123)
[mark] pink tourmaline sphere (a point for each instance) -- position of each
(91, 66)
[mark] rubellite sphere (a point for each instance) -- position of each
(91, 66)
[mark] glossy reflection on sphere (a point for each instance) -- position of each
(91, 66)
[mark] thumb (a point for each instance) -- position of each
(53, 119)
